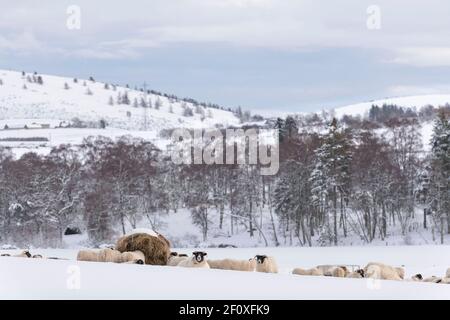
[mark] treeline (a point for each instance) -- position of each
(331, 185)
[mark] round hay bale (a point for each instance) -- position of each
(155, 250)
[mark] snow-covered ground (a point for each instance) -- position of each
(68, 279)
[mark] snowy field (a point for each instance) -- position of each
(54, 279)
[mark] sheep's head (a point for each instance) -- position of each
(173, 254)
(418, 276)
(199, 256)
(27, 253)
(139, 261)
(260, 258)
(361, 272)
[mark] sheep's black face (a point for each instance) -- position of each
(27, 253)
(174, 254)
(139, 261)
(419, 276)
(199, 256)
(361, 272)
(260, 258)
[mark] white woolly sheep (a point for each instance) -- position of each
(378, 270)
(137, 257)
(266, 264)
(109, 255)
(196, 261)
(327, 270)
(88, 255)
(433, 279)
(175, 260)
(231, 264)
(23, 254)
(356, 274)
(417, 277)
(307, 272)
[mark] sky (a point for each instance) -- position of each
(263, 55)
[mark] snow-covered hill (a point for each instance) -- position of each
(410, 101)
(59, 99)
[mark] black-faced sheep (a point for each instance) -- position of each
(132, 257)
(155, 249)
(307, 272)
(356, 274)
(376, 270)
(231, 264)
(23, 254)
(196, 261)
(266, 264)
(417, 277)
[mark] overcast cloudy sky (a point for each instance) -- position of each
(284, 55)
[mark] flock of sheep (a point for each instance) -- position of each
(154, 249)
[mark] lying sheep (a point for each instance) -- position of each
(333, 270)
(88, 255)
(23, 254)
(266, 264)
(132, 257)
(109, 255)
(417, 277)
(401, 272)
(196, 261)
(175, 259)
(307, 272)
(231, 264)
(155, 249)
(356, 274)
(378, 270)
(339, 272)
(433, 279)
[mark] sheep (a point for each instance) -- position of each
(445, 280)
(417, 277)
(339, 272)
(266, 264)
(378, 270)
(333, 270)
(155, 249)
(433, 279)
(196, 261)
(175, 260)
(356, 274)
(109, 255)
(231, 264)
(88, 255)
(132, 257)
(23, 254)
(327, 270)
(400, 272)
(307, 272)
